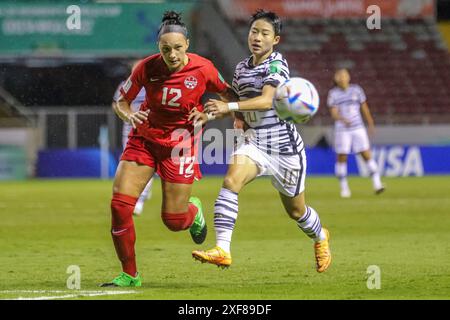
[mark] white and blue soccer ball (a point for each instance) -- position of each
(296, 100)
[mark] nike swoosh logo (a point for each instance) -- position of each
(154, 79)
(118, 232)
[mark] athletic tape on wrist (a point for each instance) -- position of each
(233, 106)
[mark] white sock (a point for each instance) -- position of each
(310, 225)
(340, 170)
(225, 215)
(373, 169)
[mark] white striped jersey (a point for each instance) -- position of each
(348, 102)
(271, 134)
(135, 106)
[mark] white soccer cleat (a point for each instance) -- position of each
(380, 190)
(346, 193)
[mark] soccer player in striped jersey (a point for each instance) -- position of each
(126, 129)
(268, 147)
(346, 102)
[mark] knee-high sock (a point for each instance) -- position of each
(180, 221)
(340, 170)
(310, 224)
(225, 215)
(122, 231)
(373, 169)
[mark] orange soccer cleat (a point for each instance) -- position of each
(323, 253)
(215, 256)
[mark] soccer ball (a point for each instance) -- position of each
(296, 100)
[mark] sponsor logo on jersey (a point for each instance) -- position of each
(127, 85)
(190, 82)
(275, 67)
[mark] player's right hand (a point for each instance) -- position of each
(138, 118)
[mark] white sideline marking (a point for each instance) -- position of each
(73, 294)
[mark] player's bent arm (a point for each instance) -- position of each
(366, 114)
(228, 95)
(123, 110)
(113, 106)
(335, 114)
(262, 102)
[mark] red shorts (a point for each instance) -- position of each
(180, 167)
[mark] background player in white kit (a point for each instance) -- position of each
(126, 129)
(346, 102)
(269, 146)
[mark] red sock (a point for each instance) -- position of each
(122, 231)
(180, 221)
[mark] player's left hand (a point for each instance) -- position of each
(216, 107)
(198, 118)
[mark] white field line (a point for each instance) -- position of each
(73, 294)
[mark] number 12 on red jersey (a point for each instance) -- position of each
(173, 101)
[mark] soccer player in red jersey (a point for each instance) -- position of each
(174, 81)
(126, 129)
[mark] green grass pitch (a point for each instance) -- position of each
(46, 226)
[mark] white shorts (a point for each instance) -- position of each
(287, 173)
(348, 141)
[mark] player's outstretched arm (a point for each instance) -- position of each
(262, 102)
(123, 110)
(202, 117)
(228, 95)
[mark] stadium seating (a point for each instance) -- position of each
(404, 67)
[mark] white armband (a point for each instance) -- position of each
(232, 106)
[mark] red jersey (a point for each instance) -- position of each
(171, 96)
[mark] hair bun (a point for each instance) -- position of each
(172, 16)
